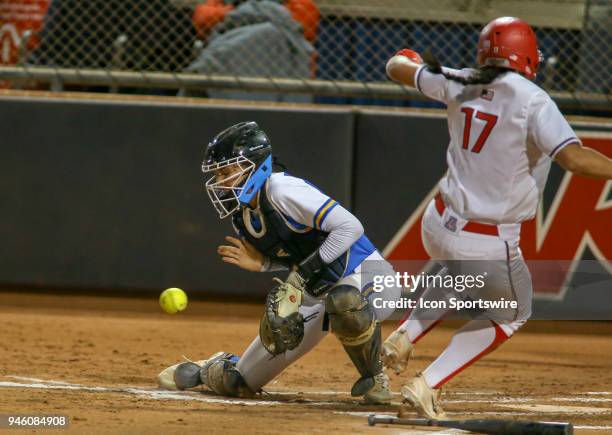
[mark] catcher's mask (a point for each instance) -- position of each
(239, 161)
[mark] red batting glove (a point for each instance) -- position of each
(410, 54)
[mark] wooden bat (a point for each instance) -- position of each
(490, 427)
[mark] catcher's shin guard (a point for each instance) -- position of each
(352, 321)
(223, 377)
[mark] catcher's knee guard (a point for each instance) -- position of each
(187, 375)
(353, 322)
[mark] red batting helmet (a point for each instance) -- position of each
(510, 43)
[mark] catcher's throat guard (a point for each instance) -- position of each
(256, 181)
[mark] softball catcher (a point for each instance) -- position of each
(285, 223)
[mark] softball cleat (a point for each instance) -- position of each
(396, 351)
(424, 399)
(380, 394)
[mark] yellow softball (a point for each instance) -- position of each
(173, 300)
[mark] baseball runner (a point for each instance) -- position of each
(284, 222)
(504, 133)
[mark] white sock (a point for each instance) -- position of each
(416, 329)
(476, 339)
(422, 320)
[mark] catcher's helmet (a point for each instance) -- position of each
(239, 160)
(511, 43)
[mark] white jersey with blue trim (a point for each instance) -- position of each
(304, 206)
(503, 137)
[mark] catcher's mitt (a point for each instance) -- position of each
(282, 325)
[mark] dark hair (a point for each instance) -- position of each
(482, 75)
(275, 162)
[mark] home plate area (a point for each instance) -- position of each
(95, 360)
(460, 405)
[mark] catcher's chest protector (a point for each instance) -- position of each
(281, 239)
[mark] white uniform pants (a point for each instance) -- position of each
(258, 366)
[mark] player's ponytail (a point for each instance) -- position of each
(275, 162)
(482, 76)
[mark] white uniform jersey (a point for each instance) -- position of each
(307, 207)
(503, 137)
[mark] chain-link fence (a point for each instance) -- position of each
(324, 46)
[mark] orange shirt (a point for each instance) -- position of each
(212, 12)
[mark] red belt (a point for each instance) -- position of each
(472, 227)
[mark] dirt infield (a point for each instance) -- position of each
(95, 360)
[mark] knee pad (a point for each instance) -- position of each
(350, 315)
(187, 375)
(212, 377)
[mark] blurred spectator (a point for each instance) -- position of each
(256, 38)
(212, 12)
(208, 15)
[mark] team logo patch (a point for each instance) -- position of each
(451, 224)
(487, 94)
